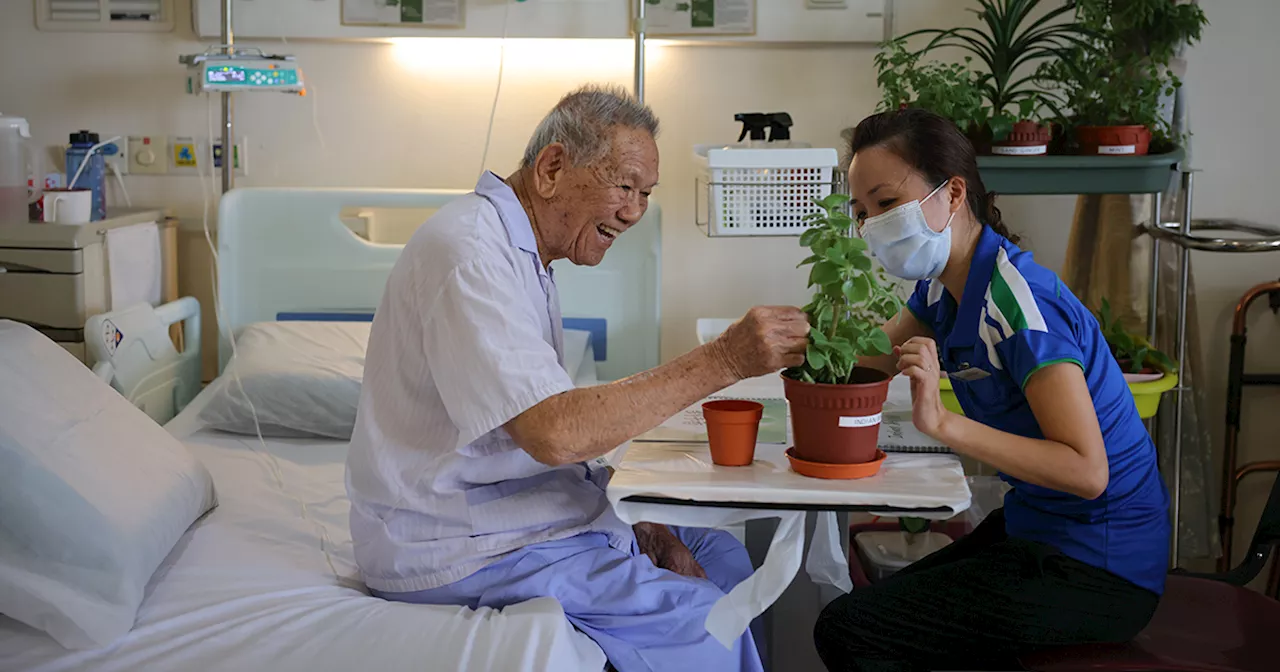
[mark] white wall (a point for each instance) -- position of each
(1232, 84)
(415, 115)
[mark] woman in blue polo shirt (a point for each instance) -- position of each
(1079, 551)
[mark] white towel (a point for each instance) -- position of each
(133, 265)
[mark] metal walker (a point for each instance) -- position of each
(1237, 380)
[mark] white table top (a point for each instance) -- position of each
(684, 474)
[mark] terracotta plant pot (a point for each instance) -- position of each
(732, 428)
(1026, 139)
(1113, 140)
(981, 138)
(838, 424)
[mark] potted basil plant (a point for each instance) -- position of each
(836, 404)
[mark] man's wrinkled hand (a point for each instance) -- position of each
(666, 550)
(766, 339)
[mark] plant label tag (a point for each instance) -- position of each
(860, 420)
(969, 374)
(1023, 150)
(1117, 150)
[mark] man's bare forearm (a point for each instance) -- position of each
(587, 422)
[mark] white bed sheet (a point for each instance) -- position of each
(249, 588)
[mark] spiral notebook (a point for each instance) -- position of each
(897, 433)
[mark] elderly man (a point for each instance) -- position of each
(469, 472)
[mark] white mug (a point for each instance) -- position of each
(68, 206)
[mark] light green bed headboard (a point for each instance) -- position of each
(286, 250)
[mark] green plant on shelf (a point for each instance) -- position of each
(851, 299)
(991, 96)
(1134, 352)
(950, 89)
(1120, 72)
(1012, 37)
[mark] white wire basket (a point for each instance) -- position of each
(762, 192)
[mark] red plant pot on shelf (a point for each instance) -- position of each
(1113, 140)
(1026, 139)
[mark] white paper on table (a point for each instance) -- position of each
(732, 614)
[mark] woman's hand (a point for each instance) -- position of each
(918, 359)
(666, 550)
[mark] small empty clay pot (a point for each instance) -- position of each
(732, 428)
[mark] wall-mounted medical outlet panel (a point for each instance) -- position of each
(148, 154)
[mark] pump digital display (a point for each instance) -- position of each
(225, 75)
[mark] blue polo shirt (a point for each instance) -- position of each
(1015, 318)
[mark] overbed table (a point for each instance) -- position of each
(668, 483)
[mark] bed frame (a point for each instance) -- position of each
(132, 351)
(284, 253)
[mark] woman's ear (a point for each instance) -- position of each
(549, 169)
(958, 191)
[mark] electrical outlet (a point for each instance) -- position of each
(116, 154)
(148, 154)
(238, 163)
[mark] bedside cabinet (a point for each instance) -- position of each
(54, 277)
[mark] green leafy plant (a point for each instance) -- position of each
(1010, 40)
(1132, 351)
(950, 90)
(851, 298)
(1117, 74)
(981, 101)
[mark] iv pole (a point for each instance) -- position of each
(639, 29)
(228, 106)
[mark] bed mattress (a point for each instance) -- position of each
(260, 584)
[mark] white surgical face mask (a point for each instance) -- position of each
(905, 245)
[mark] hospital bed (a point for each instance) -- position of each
(267, 580)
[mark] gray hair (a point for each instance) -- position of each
(581, 122)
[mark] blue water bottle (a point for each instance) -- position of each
(94, 176)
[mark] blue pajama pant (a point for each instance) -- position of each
(645, 619)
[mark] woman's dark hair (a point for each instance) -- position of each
(935, 147)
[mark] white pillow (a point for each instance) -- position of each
(302, 378)
(93, 495)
